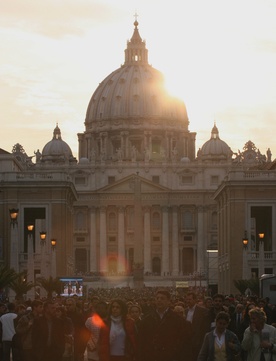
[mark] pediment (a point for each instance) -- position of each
(128, 185)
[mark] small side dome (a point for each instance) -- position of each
(185, 160)
(57, 151)
(215, 149)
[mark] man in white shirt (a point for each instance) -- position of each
(8, 331)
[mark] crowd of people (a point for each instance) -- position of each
(148, 324)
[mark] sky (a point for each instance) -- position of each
(218, 56)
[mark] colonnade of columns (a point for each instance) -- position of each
(170, 248)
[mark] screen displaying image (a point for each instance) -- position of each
(72, 286)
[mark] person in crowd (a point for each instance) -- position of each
(259, 340)
(200, 323)
(208, 302)
(218, 306)
(235, 324)
(160, 332)
(221, 343)
(95, 323)
(81, 334)
(117, 341)
(8, 331)
(48, 335)
(185, 350)
(68, 331)
(24, 329)
(246, 318)
(135, 313)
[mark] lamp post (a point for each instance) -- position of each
(54, 263)
(261, 253)
(30, 227)
(14, 260)
(43, 260)
(245, 243)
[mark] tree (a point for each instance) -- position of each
(50, 285)
(243, 285)
(7, 276)
(20, 286)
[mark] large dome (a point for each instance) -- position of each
(134, 90)
(215, 148)
(131, 116)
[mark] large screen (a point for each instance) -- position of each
(71, 286)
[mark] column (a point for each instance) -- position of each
(261, 258)
(103, 248)
(165, 242)
(93, 241)
(121, 241)
(200, 241)
(14, 259)
(175, 251)
(30, 277)
(147, 241)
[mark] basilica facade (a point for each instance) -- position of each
(140, 202)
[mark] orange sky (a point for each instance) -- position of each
(218, 56)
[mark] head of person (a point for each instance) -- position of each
(179, 310)
(118, 308)
(191, 299)
(20, 309)
(218, 300)
(11, 307)
(101, 309)
(49, 309)
(70, 304)
(208, 302)
(37, 307)
(134, 312)
(222, 321)
(162, 300)
(239, 308)
(257, 318)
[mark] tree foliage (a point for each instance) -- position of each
(7, 276)
(20, 286)
(50, 285)
(243, 285)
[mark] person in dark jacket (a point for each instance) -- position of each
(160, 332)
(221, 343)
(48, 335)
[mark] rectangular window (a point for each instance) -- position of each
(112, 239)
(156, 239)
(188, 238)
(80, 180)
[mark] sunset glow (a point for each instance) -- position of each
(218, 57)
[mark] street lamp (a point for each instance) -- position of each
(245, 240)
(245, 243)
(53, 243)
(54, 261)
(42, 237)
(13, 216)
(261, 253)
(31, 267)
